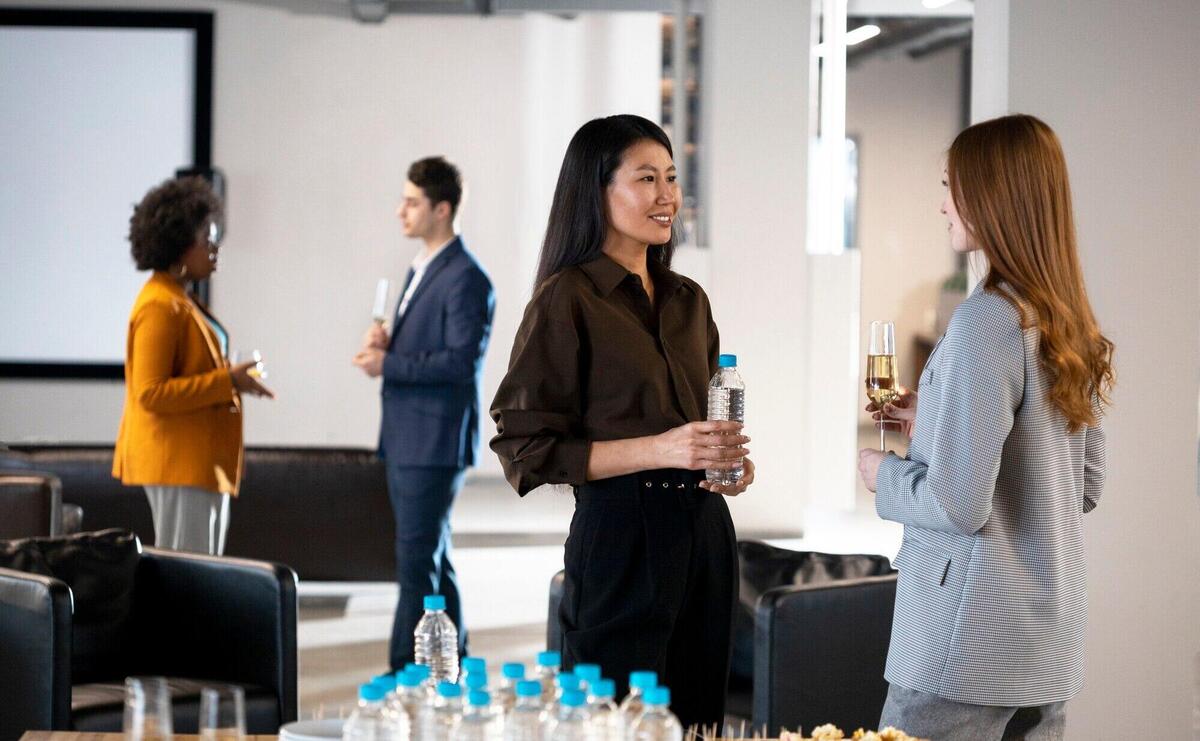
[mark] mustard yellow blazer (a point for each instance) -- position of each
(182, 424)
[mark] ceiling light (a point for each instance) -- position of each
(857, 36)
(935, 4)
(861, 34)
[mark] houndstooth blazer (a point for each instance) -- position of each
(991, 603)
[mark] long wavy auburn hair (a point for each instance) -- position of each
(1008, 178)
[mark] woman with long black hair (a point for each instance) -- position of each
(607, 391)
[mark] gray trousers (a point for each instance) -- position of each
(929, 716)
(187, 518)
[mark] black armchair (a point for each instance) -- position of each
(192, 618)
(810, 638)
(30, 504)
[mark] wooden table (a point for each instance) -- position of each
(70, 735)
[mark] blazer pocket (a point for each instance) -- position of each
(928, 565)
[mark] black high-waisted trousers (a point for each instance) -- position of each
(651, 583)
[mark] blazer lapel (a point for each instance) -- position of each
(431, 271)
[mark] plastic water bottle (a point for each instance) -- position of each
(548, 663)
(570, 721)
(436, 641)
(476, 681)
(607, 724)
(726, 402)
(443, 714)
(478, 722)
(410, 698)
(422, 671)
(474, 664)
(587, 674)
(526, 720)
(565, 682)
(635, 702)
(505, 695)
(371, 720)
(657, 723)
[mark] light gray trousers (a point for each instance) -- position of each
(929, 716)
(187, 518)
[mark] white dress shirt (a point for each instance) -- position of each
(419, 263)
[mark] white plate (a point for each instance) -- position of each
(312, 730)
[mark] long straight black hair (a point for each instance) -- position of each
(577, 226)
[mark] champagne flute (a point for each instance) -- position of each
(882, 385)
(259, 370)
(380, 311)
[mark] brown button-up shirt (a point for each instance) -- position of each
(593, 360)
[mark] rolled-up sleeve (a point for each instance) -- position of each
(538, 407)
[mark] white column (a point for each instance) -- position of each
(756, 103)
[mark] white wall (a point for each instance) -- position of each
(316, 121)
(1118, 82)
(904, 113)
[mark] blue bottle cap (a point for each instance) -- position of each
(658, 696)
(549, 658)
(568, 681)
(386, 681)
(479, 698)
(476, 680)
(573, 698)
(643, 680)
(449, 689)
(603, 688)
(513, 671)
(408, 678)
(421, 670)
(587, 672)
(727, 361)
(371, 692)
(474, 664)
(435, 602)
(529, 688)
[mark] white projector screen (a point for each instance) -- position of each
(92, 118)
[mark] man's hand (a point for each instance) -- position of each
(376, 337)
(371, 361)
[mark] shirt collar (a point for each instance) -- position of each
(421, 261)
(606, 274)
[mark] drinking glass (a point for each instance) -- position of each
(259, 370)
(222, 714)
(147, 709)
(380, 311)
(882, 384)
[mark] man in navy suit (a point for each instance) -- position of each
(431, 365)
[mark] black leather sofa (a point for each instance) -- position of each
(323, 511)
(86, 611)
(810, 638)
(31, 505)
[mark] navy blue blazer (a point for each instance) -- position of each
(434, 362)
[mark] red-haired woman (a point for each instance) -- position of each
(1007, 454)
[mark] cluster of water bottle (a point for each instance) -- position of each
(426, 702)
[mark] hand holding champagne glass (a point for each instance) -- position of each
(882, 385)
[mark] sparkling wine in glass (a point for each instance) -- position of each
(882, 385)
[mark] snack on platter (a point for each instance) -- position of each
(830, 732)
